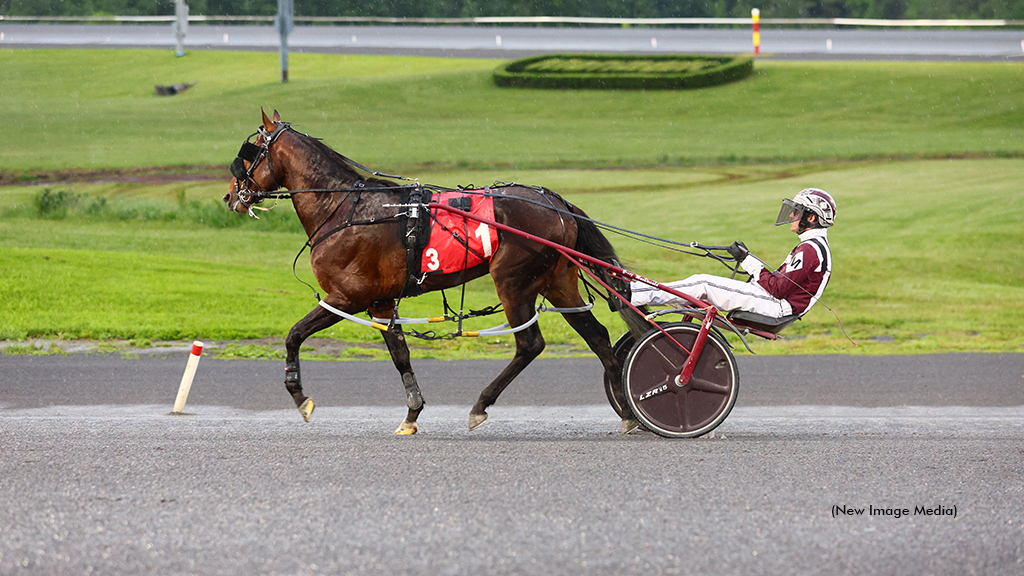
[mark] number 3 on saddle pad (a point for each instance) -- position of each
(452, 235)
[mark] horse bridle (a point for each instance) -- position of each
(254, 154)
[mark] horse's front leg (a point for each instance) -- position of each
(399, 350)
(413, 397)
(317, 320)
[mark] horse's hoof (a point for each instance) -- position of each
(407, 428)
(628, 425)
(475, 420)
(306, 409)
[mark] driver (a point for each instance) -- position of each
(791, 290)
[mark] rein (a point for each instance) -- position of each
(255, 153)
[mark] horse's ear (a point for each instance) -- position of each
(267, 123)
(277, 117)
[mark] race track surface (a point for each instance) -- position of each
(835, 464)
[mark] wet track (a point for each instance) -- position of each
(97, 477)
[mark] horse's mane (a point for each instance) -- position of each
(339, 166)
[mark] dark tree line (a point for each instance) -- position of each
(939, 9)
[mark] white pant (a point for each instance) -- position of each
(725, 294)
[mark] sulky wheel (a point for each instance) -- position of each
(649, 379)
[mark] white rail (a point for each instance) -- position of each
(854, 22)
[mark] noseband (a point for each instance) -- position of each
(254, 154)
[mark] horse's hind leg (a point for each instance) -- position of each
(317, 320)
(564, 293)
(400, 356)
(529, 345)
(596, 337)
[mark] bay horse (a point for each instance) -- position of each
(363, 268)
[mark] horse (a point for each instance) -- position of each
(359, 257)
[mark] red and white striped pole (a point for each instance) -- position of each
(755, 14)
(187, 377)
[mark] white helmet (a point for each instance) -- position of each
(816, 201)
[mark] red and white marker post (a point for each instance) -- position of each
(755, 14)
(187, 377)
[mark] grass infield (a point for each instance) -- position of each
(925, 161)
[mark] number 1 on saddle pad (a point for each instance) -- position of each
(452, 235)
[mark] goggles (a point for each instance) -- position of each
(789, 213)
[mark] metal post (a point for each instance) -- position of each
(285, 23)
(180, 25)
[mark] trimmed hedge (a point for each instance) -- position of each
(623, 72)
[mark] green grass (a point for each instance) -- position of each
(925, 160)
(74, 109)
(916, 260)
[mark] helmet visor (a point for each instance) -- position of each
(789, 213)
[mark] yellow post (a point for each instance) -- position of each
(755, 14)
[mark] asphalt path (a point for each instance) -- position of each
(833, 464)
(506, 42)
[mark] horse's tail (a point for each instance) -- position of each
(592, 242)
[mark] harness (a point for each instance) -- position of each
(416, 238)
(414, 227)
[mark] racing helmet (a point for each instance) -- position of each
(813, 200)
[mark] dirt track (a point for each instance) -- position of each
(151, 175)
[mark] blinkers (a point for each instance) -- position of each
(248, 151)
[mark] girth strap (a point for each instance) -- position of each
(417, 235)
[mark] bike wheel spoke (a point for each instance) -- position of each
(683, 412)
(702, 385)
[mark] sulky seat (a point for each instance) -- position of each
(762, 322)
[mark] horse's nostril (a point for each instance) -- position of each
(227, 197)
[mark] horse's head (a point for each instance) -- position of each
(254, 174)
